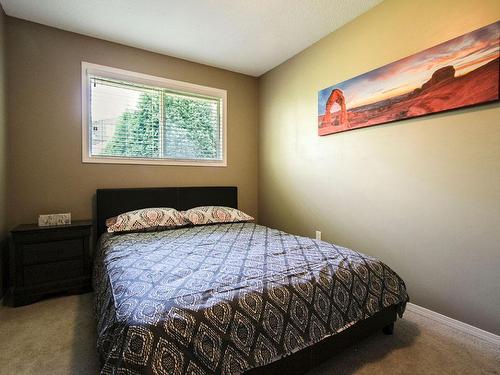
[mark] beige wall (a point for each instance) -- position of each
(3, 157)
(45, 169)
(421, 194)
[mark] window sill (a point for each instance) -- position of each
(164, 162)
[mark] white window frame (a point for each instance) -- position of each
(148, 80)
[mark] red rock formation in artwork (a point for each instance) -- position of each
(440, 75)
(337, 96)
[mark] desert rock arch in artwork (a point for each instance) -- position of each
(337, 96)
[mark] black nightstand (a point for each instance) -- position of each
(47, 260)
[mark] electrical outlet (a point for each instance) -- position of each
(318, 235)
(54, 219)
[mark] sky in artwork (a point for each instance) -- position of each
(466, 53)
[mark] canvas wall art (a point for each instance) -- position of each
(461, 72)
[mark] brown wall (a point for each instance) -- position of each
(45, 169)
(3, 158)
(421, 194)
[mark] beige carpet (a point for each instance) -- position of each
(57, 336)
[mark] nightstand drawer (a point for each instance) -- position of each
(54, 251)
(46, 260)
(44, 273)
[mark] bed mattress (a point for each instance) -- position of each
(228, 298)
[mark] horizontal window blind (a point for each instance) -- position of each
(192, 127)
(129, 120)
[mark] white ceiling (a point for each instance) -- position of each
(247, 36)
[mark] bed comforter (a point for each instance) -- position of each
(227, 298)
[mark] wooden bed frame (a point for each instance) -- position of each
(111, 202)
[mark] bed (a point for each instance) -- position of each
(229, 298)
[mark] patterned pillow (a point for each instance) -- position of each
(214, 214)
(146, 219)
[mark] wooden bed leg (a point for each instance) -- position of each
(388, 329)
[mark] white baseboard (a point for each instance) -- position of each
(455, 324)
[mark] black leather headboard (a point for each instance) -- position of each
(112, 202)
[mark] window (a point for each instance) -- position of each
(133, 118)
